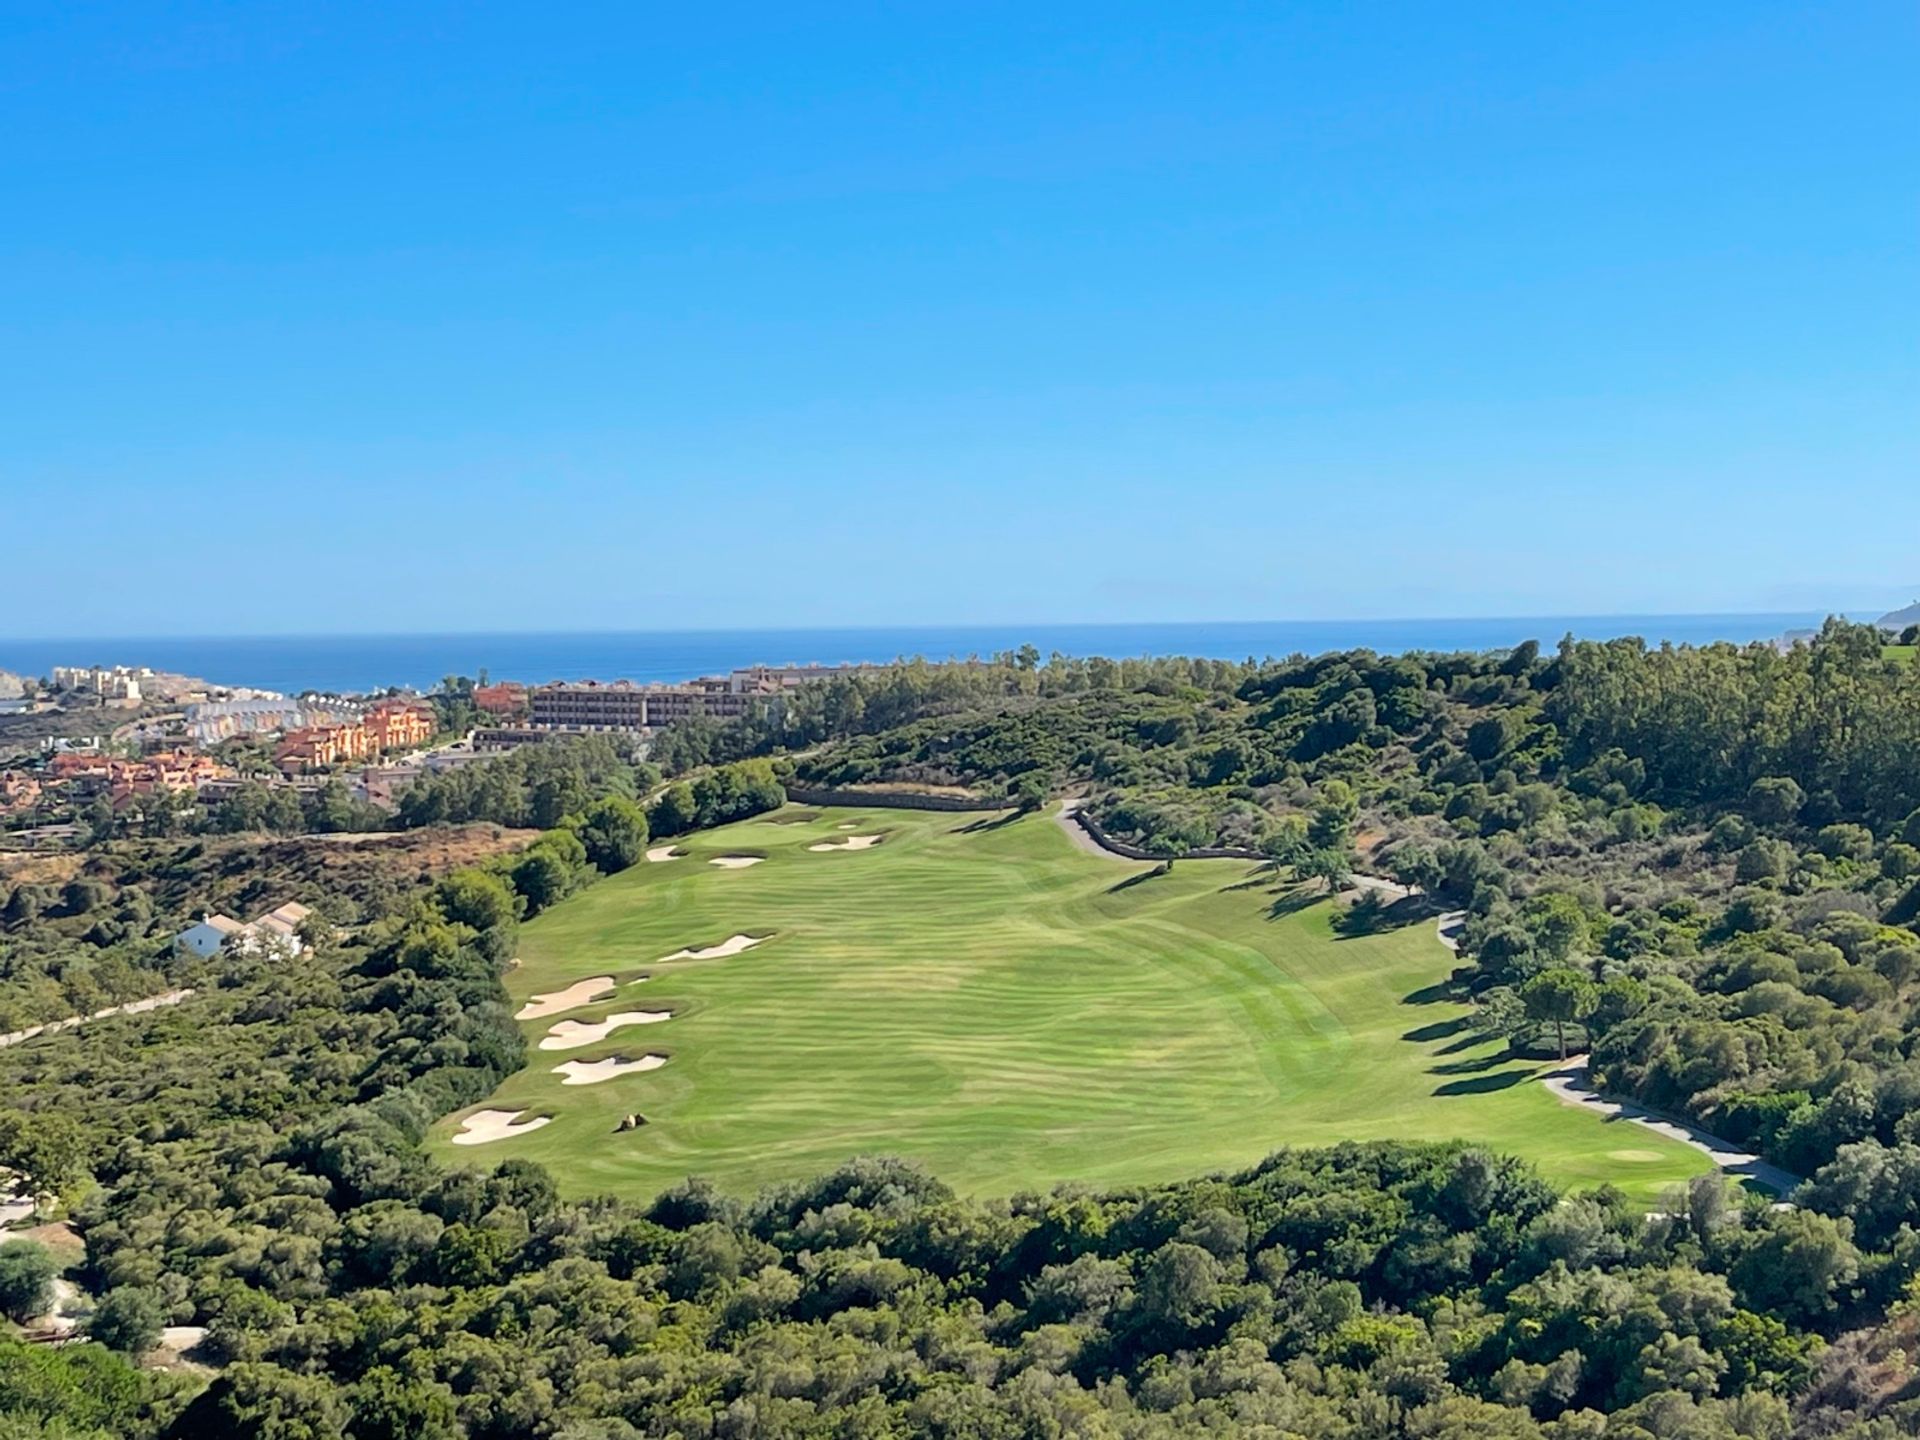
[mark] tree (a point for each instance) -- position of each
(45, 1150)
(1619, 1000)
(128, 1319)
(1334, 866)
(265, 1402)
(614, 830)
(27, 1269)
(674, 812)
(1560, 997)
(1417, 867)
(1775, 800)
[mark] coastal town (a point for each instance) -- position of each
(86, 748)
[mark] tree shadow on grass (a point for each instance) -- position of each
(1291, 902)
(1260, 880)
(1465, 1042)
(1437, 1030)
(1484, 1084)
(1470, 1067)
(980, 826)
(1139, 878)
(1433, 994)
(1368, 916)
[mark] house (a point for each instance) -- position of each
(277, 932)
(208, 936)
(399, 724)
(506, 699)
(283, 924)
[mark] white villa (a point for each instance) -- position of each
(278, 930)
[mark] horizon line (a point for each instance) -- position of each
(845, 628)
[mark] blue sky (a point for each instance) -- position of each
(417, 317)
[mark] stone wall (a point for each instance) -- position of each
(1138, 852)
(892, 799)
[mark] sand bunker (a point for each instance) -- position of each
(541, 1006)
(732, 945)
(593, 1072)
(735, 862)
(850, 825)
(665, 852)
(572, 1034)
(852, 842)
(484, 1126)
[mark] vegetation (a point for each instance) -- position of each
(1699, 864)
(987, 999)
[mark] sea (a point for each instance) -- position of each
(348, 664)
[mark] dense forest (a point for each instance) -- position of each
(1701, 863)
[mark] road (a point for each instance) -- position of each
(132, 1007)
(1572, 1087)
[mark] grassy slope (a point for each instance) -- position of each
(998, 1005)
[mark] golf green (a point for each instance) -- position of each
(981, 995)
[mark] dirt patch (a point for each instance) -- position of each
(51, 870)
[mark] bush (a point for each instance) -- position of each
(129, 1319)
(26, 1280)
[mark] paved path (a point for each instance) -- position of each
(1083, 837)
(132, 1007)
(1571, 1086)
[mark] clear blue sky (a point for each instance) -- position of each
(419, 316)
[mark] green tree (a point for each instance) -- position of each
(128, 1319)
(46, 1150)
(675, 812)
(1560, 997)
(1775, 800)
(27, 1269)
(1332, 865)
(614, 831)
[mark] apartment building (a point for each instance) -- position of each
(590, 705)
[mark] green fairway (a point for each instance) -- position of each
(988, 999)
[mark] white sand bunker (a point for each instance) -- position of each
(735, 862)
(850, 825)
(732, 945)
(553, 1003)
(485, 1126)
(852, 842)
(665, 852)
(572, 1034)
(593, 1072)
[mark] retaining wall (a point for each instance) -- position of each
(1139, 852)
(892, 799)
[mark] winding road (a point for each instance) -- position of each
(132, 1007)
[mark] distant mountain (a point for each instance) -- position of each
(1901, 618)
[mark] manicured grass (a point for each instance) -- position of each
(990, 1000)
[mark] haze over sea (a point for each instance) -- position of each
(344, 663)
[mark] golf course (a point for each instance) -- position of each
(758, 1002)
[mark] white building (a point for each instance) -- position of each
(276, 932)
(208, 936)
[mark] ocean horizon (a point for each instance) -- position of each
(350, 663)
